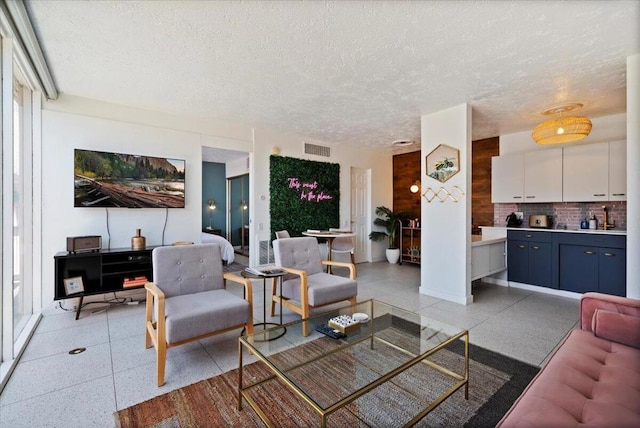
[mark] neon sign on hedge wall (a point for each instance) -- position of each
(308, 191)
(304, 194)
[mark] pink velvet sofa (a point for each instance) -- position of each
(593, 377)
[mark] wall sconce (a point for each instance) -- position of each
(415, 187)
(212, 207)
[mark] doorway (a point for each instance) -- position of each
(360, 213)
(225, 186)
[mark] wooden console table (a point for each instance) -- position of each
(101, 271)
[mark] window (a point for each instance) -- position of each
(17, 219)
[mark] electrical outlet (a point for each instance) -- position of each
(519, 215)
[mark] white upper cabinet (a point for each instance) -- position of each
(507, 178)
(580, 173)
(618, 170)
(586, 173)
(595, 172)
(543, 176)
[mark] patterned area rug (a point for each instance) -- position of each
(495, 383)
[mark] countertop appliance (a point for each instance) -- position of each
(513, 220)
(540, 220)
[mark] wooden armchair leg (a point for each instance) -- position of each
(147, 337)
(161, 352)
(353, 262)
(305, 324)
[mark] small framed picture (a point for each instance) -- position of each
(73, 285)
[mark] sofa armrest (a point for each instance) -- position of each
(592, 301)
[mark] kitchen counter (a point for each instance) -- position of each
(487, 255)
(493, 229)
(478, 240)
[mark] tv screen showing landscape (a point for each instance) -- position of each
(103, 179)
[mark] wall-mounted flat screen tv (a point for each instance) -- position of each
(104, 179)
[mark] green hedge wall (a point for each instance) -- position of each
(305, 195)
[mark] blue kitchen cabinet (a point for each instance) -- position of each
(540, 264)
(579, 268)
(577, 262)
(592, 263)
(529, 257)
(518, 261)
(612, 275)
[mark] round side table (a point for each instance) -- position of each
(269, 332)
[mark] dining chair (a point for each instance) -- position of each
(282, 234)
(344, 244)
(308, 286)
(188, 299)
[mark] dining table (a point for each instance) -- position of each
(329, 235)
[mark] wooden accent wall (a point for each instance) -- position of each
(481, 206)
(406, 170)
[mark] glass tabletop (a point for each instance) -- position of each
(331, 371)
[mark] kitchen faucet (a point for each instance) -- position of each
(605, 219)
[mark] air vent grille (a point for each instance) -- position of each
(266, 253)
(314, 149)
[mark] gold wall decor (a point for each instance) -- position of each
(442, 194)
(443, 163)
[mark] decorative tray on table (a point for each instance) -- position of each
(344, 324)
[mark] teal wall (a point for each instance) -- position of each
(214, 186)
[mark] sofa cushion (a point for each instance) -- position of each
(322, 287)
(193, 315)
(589, 380)
(617, 327)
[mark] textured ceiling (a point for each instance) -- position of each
(359, 73)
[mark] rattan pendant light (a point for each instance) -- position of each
(563, 129)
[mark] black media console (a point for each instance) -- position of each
(103, 271)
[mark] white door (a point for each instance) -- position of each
(360, 212)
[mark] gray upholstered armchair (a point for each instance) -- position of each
(188, 301)
(309, 286)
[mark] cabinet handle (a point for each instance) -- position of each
(527, 236)
(609, 254)
(589, 253)
(619, 194)
(599, 194)
(535, 247)
(521, 246)
(517, 197)
(530, 197)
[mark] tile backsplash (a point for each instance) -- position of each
(567, 214)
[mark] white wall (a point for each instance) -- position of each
(446, 226)
(237, 167)
(71, 123)
(633, 176)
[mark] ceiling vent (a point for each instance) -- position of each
(314, 149)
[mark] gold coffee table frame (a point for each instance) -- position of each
(430, 337)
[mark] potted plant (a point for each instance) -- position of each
(390, 222)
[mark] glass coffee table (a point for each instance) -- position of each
(392, 353)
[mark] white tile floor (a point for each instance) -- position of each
(50, 388)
